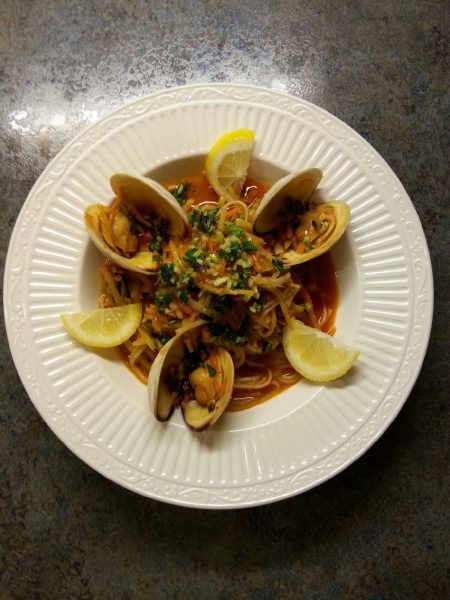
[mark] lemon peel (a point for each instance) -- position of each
(103, 327)
(228, 161)
(315, 354)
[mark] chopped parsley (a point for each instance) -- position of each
(156, 243)
(159, 231)
(218, 329)
(230, 251)
(232, 248)
(167, 274)
(162, 300)
(185, 278)
(256, 307)
(192, 256)
(180, 192)
(170, 279)
(248, 246)
(240, 337)
(307, 244)
(234, 229)
(211, 370)
(204, 220)
(239, 280)
(279, 265)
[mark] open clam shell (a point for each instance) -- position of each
(110, 228)
(296, 186)
(204, 393)
(161, 394)
(319, 229)
(203, 415)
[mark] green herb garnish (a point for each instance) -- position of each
(248, 246)
(234, 229)
(180, 192)
(219, 329)
(230, 251)
(239, 280)
(211, 370)
(156, 243)
(192, 256)
(256, 307)
(279, 265)
(232, 248)
(185, 279)
(204, 220)
(162, 300)
(167, 274)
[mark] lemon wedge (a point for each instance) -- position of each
(228, 161)
(316, 355)
(104, 327)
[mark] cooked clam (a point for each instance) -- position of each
(212, 384)
(161, 393)
(297, 186)
(319, 228)
(201, 381)
(304, 230)
(141, 213)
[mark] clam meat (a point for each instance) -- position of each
(132, 229)
(297, 186)
(199, 378)
(295, 229)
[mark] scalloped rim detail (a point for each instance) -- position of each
(264, 482)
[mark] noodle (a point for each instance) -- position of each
(227, 280)
(253, 381)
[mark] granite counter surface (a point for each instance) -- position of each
(380, 529)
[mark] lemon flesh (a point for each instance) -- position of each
(316, 355)
(104, 327)
(228, 161)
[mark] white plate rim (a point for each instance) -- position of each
(228, 498)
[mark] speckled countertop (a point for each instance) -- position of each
(380, 529)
